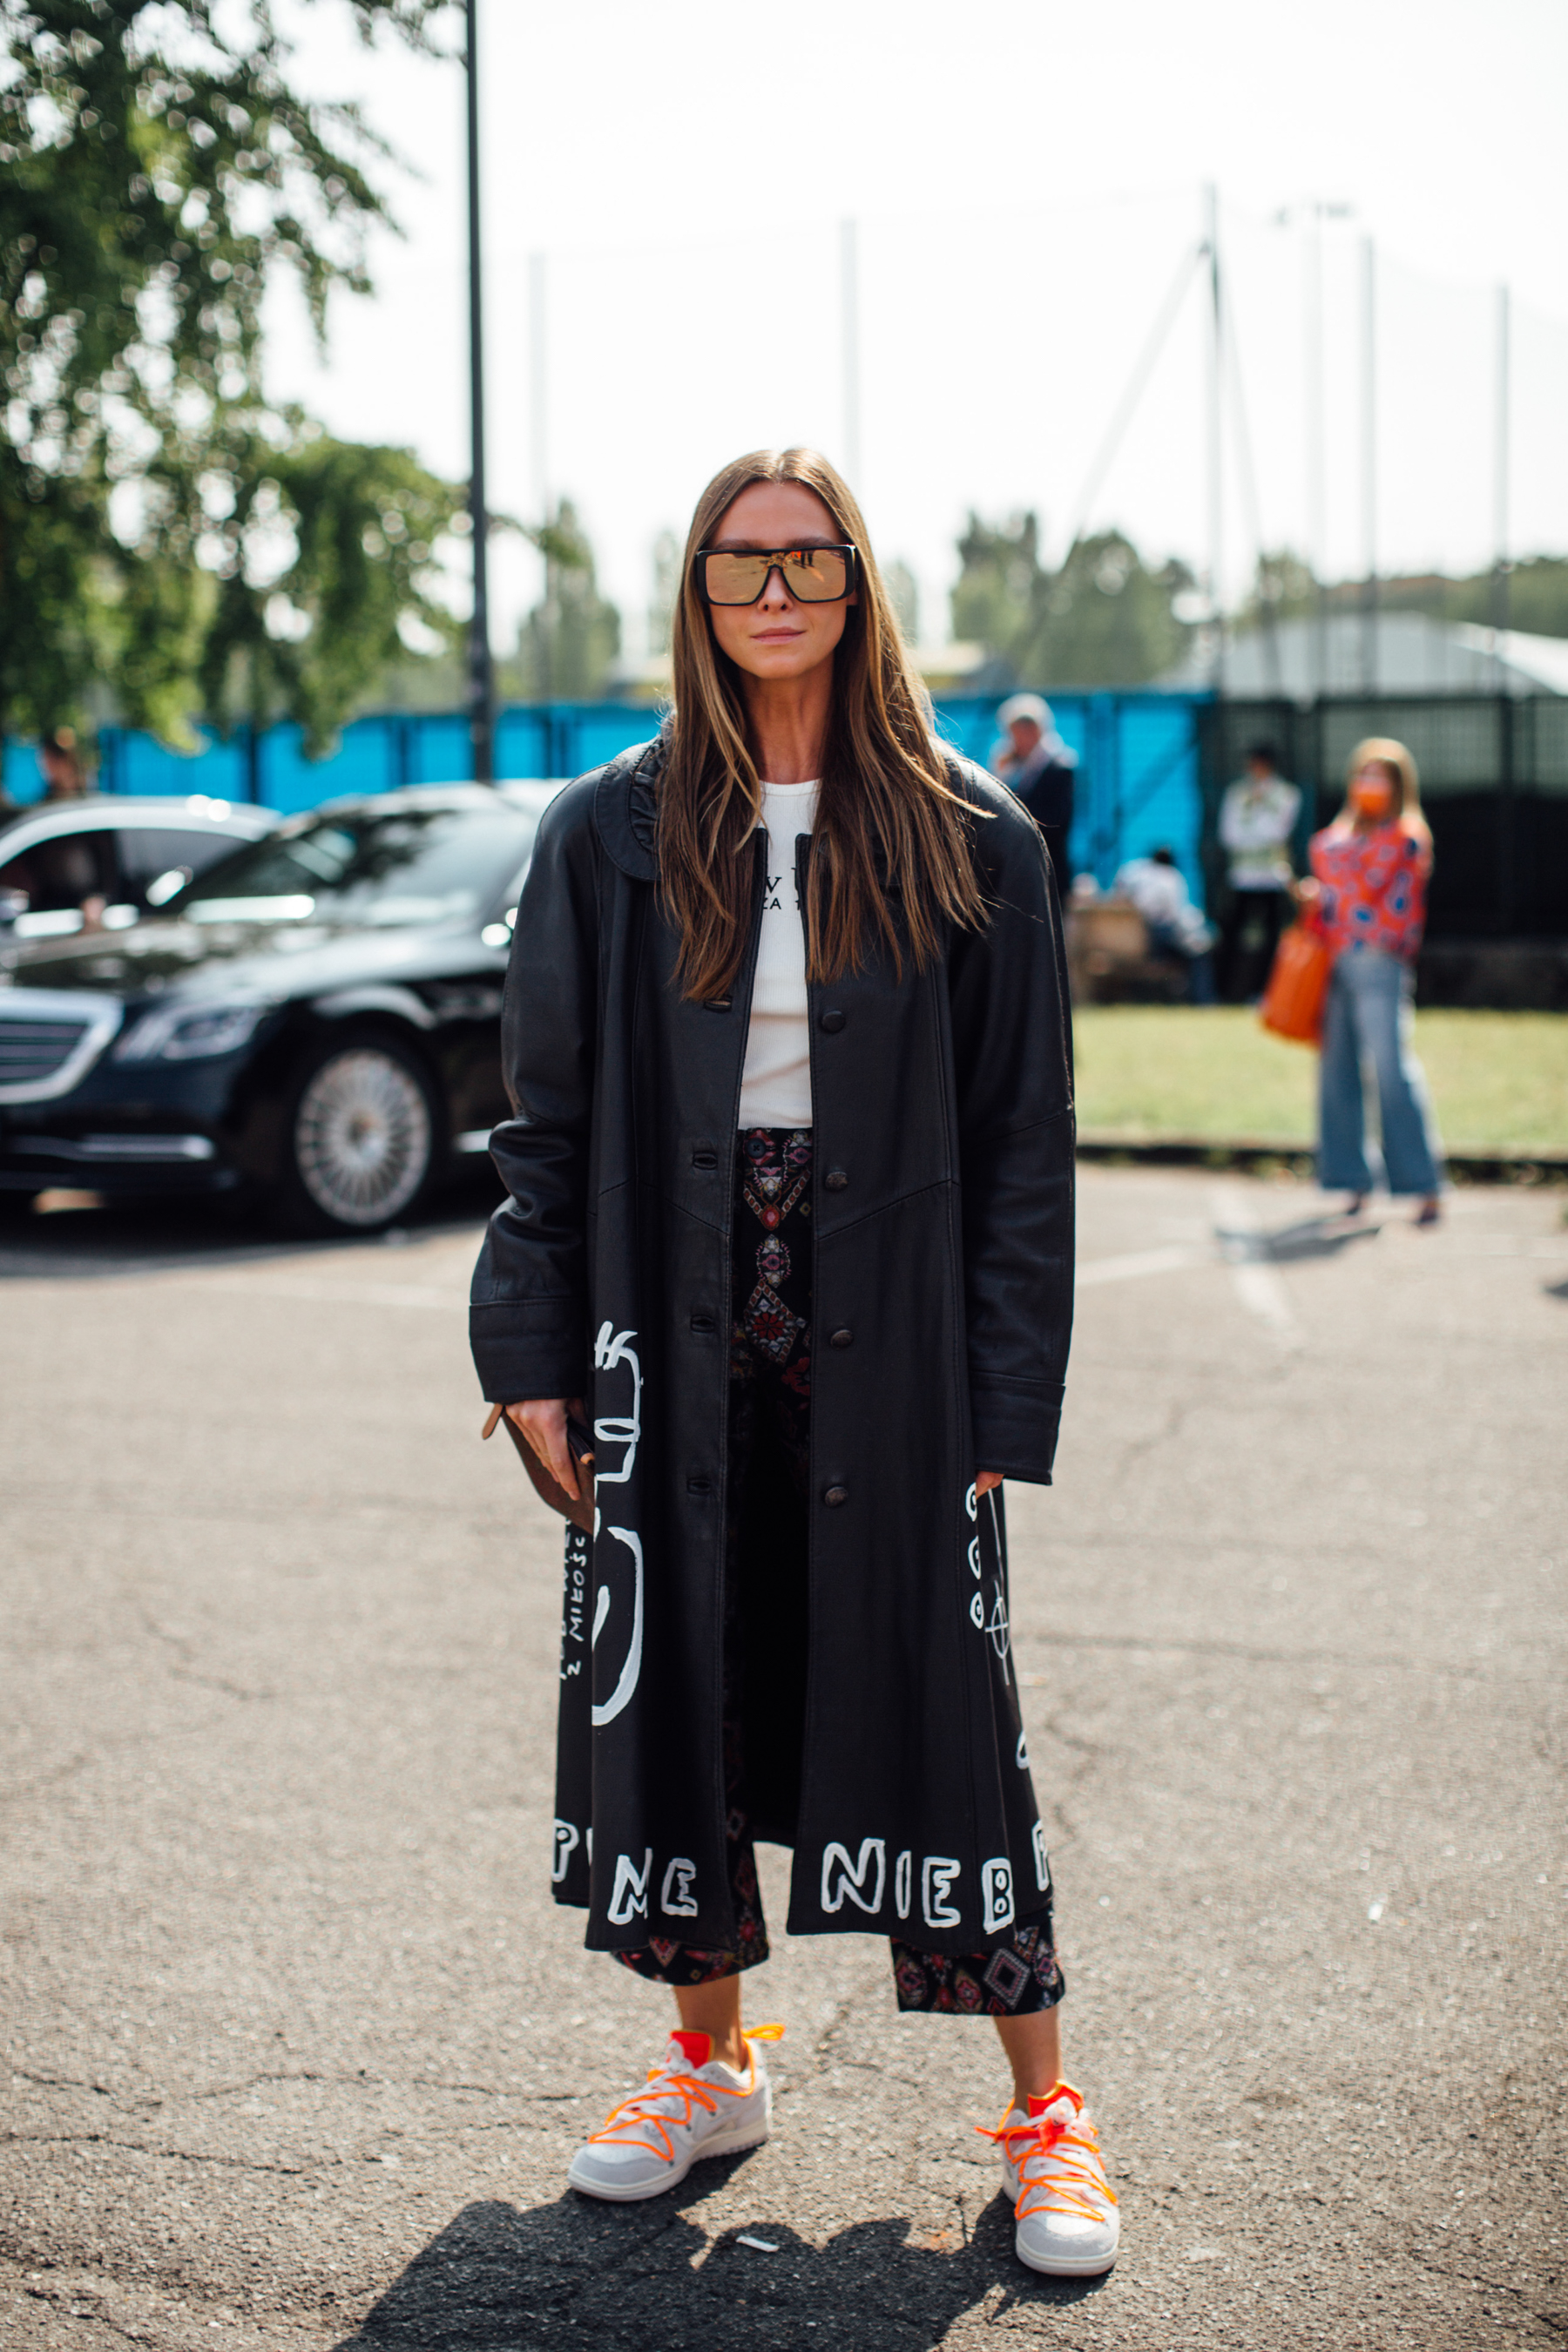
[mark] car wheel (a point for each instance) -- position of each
(361, 1137)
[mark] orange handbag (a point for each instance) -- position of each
(1292, 1003)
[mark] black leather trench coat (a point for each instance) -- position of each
(943, 1245)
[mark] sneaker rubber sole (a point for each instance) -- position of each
(1068, 2265)
(733, 2142)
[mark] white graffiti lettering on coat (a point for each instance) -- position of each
(840, 1876)
(632, 1669)
(610, 1348)
(613, 1350)
(903, 1874)
(1042, 1860)
(574, 1609)
(629, 1898)
(996, 1887)
(937, 1875)
(567, 1839)
(676, 1895)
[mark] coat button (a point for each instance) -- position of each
(834, 1495)
(700, 1485)
(704, 1326)
(705, 1158)
(845, 1339)
(832, 1023)
(836, 1180)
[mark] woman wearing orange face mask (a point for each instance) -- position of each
(1368, 898)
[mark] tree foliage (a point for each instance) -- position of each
(566, 648)
(157, 171)
(1102, 618)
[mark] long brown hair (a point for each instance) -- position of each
(885, 796)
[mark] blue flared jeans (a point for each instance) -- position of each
(1370, 1018)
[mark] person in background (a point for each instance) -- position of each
(70, 871)
(1158, 888)
(1367, 897)
(1033, 763)
(1257, 818)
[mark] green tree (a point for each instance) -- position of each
(325, 558)
(1104, 618)
(157, 170)
(566, 648)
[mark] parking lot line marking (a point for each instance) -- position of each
(1259, 1285)
(1169, 1260)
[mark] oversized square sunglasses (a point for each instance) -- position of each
(812, 575)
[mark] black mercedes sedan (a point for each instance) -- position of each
(313, 1020)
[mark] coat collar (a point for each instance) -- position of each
(626, 809)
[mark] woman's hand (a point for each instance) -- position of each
(984, 1480)
(542, 1421)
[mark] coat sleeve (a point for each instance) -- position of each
(1012, 1072)
(527, 1309)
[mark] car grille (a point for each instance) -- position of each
(50, 1038)
(31, 1050)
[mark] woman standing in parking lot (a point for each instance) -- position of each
(791, 1200)
(1367, 898)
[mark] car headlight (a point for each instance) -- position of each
(190, 1033)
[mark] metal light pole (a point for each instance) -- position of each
(481, 669)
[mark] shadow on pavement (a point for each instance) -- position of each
(619, 2277)
(1322, 1237)
(148, 1236)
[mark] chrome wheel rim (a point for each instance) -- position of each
(361, 1137)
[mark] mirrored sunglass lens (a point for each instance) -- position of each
(735, 579)
(815, 574)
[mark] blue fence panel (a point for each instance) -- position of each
(1138, 784)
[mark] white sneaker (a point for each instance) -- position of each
(694, 2106)
(1063, 2205)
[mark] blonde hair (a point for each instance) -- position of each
(889, 827)
(1398, 758)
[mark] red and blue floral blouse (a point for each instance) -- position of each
(1371, 888)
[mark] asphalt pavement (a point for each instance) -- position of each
(298, 2048)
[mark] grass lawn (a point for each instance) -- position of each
(1499, 1081)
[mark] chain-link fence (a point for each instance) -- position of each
(1494, 784)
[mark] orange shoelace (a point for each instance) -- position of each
(626, 2123)
(1057, 2161)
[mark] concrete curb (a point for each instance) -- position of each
(1293, 1158)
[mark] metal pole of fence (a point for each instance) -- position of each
(481, 669)
(1369, 465)
(1312, 322)
(1499, 599)
(538, 388)
(539, 451)
(1508, 863)
(849, 301)
(1212, 354)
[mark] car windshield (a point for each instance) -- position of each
(403, 866)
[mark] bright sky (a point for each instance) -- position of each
(1027, 176)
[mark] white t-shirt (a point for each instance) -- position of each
(775, 1086)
